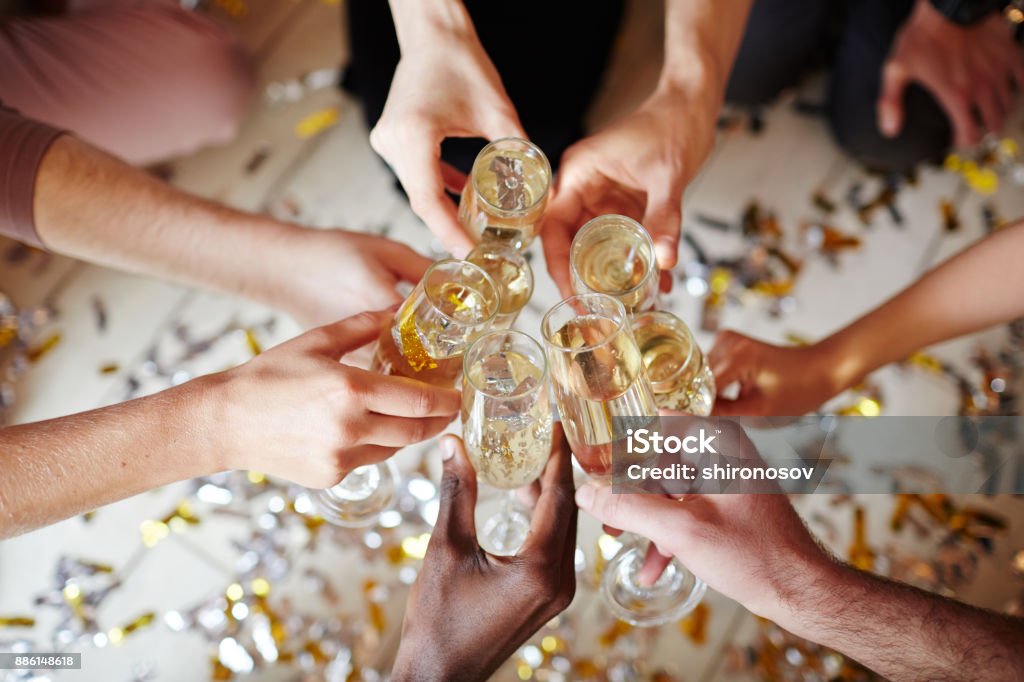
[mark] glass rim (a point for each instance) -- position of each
(531, 147)
(620, 324)
(541, 384)
(437, 308)
(589, 226)
(502, 248)
(677, 325)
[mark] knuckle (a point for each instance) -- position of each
(424, 403)
(348, 431)
(418, 431)
(451, 486)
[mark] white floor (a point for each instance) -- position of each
(335, 180)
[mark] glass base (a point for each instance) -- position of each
(673, 595)
(361, 496)
(505, 532)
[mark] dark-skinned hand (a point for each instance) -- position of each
(469, 610)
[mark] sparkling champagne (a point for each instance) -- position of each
(507, 193)
(511, 274)
(614, 255)
(679, 374)
(601, 379)
(454, 304)
(507, 430)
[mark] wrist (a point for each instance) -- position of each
(799, 591)
(425, 24)
(842, 361)
(203, 415)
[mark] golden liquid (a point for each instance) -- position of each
(514, 280)
(412, 346)
(616, 263)
(679, 376)
(508, 440)
(485, 215)
(595, 386)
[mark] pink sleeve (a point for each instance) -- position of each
(23, 143)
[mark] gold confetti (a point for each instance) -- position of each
(116, 635)
(250, 339)
(860, 554)
(695, 625)
(316, 122)
(37, 353)
(109, 368)
(925, 362)
(17, 621)
(613, 633)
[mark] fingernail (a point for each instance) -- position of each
(460, 252)
(447, 449)
(585, 496)
(888, 122)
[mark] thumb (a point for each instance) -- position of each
(652, 516)
(456, 523)
(890, 99)
(663, 219)
(339, 338)
(406, 263)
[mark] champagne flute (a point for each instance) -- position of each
(506, 425)
(680, 376)
(454, 303)
(601, 389)
(614, 255)
(506, 193)
(512, 275)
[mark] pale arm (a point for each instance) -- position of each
(92, 206)
(58, 468)
(976, 289)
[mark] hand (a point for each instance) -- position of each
(773, 380)
(966, 69)
(330, 274)
(296, 412)
(750, 547)
(444, 86)
(638, 167)
(468, 610)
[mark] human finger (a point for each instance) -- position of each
(456, 522)
(383, 429)
(555, 510)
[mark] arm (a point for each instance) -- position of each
(293, 411)
(755, 549)
(899, 631)
(972, 291)
(445, 86)
(58, 468)
(966, 68)
(90, 205)
(640, 165)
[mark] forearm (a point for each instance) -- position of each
(92, 206)
(701, 41)
(976, 289)
(899, 631)
(61, 467)
(424, 22)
